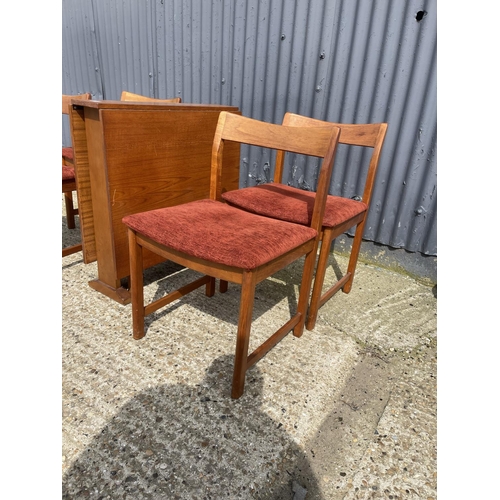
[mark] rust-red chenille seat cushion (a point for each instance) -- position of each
(68, 173)
(67, 153)
(291, 204)
(219, 233)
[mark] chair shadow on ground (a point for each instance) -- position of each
(225, 306)
(282, 285)
(192, 442)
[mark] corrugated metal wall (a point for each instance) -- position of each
(350, 61)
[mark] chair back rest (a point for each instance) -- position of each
(369, 135)
(312, 141)
(66, 101)
(129, 96)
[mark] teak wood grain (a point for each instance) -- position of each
(132, 157)
(129, 96)
(69, 185)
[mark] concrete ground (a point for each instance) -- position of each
(347, 411)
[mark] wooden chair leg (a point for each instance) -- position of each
(305, 290)
(353, 259)
(319, 278)
(210, 288)
(243, 336)
(223, 284)
(136, 286)
(70, 211)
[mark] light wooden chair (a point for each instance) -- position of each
(129, 96)
(223, 242)
(291, 204)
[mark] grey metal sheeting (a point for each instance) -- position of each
(344, 61)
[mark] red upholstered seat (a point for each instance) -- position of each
(291, 204)
(68, 173)
(214, 231)
(67, 153)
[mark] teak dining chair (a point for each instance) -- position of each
(129, 96)
(227, 243)
(291, 204)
